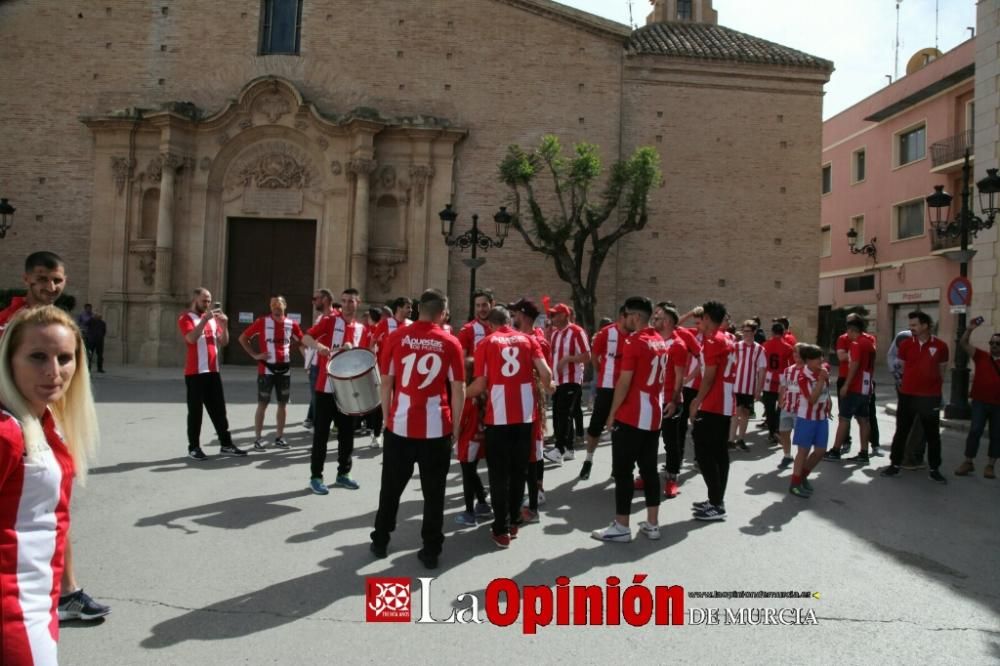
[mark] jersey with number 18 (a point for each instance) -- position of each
(421, 361)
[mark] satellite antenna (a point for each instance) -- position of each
(895, 74)
(631, 20)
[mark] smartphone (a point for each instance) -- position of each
(216, 307)
(978, 321)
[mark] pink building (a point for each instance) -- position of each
(881, 158)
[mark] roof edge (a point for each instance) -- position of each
(586, 20)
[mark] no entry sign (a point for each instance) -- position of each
(960, 291)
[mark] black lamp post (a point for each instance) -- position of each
(475, 239)
(866, 249)
(6, 217)
(965, 222)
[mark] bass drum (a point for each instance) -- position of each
(355, 381)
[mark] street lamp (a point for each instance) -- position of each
(965, 222)
(6, 217)
(475, 239)
(866, 249)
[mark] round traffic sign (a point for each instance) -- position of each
(960, 291)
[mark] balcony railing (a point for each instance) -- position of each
(952, 148)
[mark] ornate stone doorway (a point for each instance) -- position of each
(266, 257)
(168, 181)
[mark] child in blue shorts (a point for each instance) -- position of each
(812, 430)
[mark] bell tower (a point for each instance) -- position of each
(682, 11)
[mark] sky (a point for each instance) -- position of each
(859, 36)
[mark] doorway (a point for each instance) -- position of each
(266, 257)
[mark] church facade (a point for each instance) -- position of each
(264, 146)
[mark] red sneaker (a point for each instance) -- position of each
(501, 540)
(638, 483)
(513, 531)
(671, 490)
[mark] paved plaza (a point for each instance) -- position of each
(234, 561)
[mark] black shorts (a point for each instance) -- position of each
(602, 408)
(282, 384)
(744, 400)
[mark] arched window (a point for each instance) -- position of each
(280, 27)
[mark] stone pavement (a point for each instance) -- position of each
(233, 561)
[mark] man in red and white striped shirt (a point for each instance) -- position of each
(777, 356)
(472, 332)
(328, 336)
(605, 354)
(505, 364)
(205, 330)
(570, 351)
(401, 309)
(750, 366)
(634, 421)
(423, 394)
(275, 335)
(665, 320)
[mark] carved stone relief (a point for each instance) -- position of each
(382, 266)
(121, 167)
(272, 165)
(336, 168)
(361, 166)
(273, 105)
(421, 176)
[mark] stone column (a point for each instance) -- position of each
(362, 169)
(170, 162)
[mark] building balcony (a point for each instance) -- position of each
(948, 155)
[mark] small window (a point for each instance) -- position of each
(912, 145)
(827, 178)
(684, 10)
(859, 283)
(909, 220)
(858, 224)
(825, 242)
(858, 166)
(280, 27)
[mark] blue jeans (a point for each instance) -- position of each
(983, 412)
(313, 374)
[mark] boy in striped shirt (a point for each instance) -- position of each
(750, 366)
(788, 405)
(812, 430)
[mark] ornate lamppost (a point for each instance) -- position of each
(474, 239)
(6, 217)
(966, 222)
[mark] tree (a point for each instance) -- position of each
(577, 234)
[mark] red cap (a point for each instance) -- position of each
(560, 308)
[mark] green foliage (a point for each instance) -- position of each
(578, 231)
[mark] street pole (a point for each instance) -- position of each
(958, 405)
(473, 264)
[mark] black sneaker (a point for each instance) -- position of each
(280, 443)
(430, 561)
(80, 606)
(935, 475)
(585, 472)
(846, 448)
(876, 451)
(231, 450)
(711, 513)
(742, 445)
(890, 471)
(380, 552)
(698, 506)
(258, 444)
(834, 454)
(861, 459)
(785, 462)
(197, 454)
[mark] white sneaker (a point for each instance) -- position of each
(553, 455)
(569, 455)
(527, 502)
(652, 532)
(613, 532)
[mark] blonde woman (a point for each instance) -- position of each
(48, 429)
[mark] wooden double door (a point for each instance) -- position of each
(267, 257)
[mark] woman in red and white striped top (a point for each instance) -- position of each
(48, 426)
